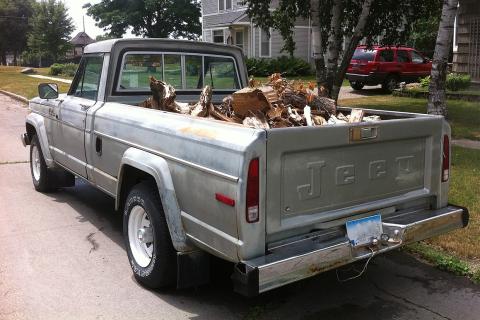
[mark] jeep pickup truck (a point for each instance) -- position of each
(280, 204)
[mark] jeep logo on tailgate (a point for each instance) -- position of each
(366, 173)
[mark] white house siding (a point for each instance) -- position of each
(302, 43)
(221, 19)
(209, 6)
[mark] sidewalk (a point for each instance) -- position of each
(50, 78)
(465, 143)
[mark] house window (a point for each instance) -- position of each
(218, 36)
(265, 44)
(224, 5)
(239, 39)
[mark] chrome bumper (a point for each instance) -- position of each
(25, 139)
(314, 255)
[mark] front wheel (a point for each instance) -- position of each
(145, 230)
(357, 85)
(42, 177)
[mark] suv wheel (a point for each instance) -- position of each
(149, 247)
(42, 177)
(357, 85)
(390, 83)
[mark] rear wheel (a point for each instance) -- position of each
(145, 230)
(390, 83)
(357, 85)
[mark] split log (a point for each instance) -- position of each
(249, 99)
(204, 106)
(256, 119)
(356, 115)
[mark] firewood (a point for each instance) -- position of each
(256, 120)
(249, 99)
(356, 115)
(204, 105)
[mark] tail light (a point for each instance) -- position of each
(252, 208)
(446, 159)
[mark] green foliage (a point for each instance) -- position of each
(13, 34)
(50, 30)
(67, 69)
(288, 66)
(424, 33)
(149, 18)
(425, 82)
(456, 81)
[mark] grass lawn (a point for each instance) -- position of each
(12, 80)
(464, 191)
(464, 117)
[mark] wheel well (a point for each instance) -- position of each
(131, 176)
(30, 131)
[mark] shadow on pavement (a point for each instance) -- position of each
(395, 285)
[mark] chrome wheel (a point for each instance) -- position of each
(140, 236)
(392, 84)
(35, 162)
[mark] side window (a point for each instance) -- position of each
(193, 72)
(173, 70)
(87, 79)
(137, 69)
(403, 56)
(220, 73)
(386, 56)
(417, 58)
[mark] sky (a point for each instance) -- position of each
(76, 12)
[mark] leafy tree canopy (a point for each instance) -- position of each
(149, 18)
(14, 23)
(50, 30)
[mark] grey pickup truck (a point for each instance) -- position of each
(280, 204)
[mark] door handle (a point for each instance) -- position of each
(85, 106)
(98, 146)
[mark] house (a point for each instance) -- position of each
(78, 43)
(226, 21)
(466, 40)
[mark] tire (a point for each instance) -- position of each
(390, 83)
(153, 260)
(357, 85)
(42, 177)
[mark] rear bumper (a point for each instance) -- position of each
(371, 79)
(314, 255)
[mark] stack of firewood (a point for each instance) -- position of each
(276, 104)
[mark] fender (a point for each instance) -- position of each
(37, 122)
(157, 167)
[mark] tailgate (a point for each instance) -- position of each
(320, 174)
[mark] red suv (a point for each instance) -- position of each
(387, 66)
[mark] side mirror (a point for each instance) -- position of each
(48, 90)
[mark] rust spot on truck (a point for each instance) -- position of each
(200, 132)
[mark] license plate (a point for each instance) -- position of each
(362, 231)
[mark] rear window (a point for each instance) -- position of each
(364, 54)
(182, 71)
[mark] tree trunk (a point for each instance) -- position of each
(334, 43)
(15, 57)
(3, 57)
(350, 49)
(317, 53)
(437, 103)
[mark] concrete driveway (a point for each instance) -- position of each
(62, 257)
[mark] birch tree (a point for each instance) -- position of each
(333, 21)
(437, 103)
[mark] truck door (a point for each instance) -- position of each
(69, 137)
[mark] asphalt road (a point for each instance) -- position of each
(62, 257)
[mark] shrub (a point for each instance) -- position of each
(425, 82)
(287, 66)
(455, 81)
(67, 69)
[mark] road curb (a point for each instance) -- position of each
(14, 96)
